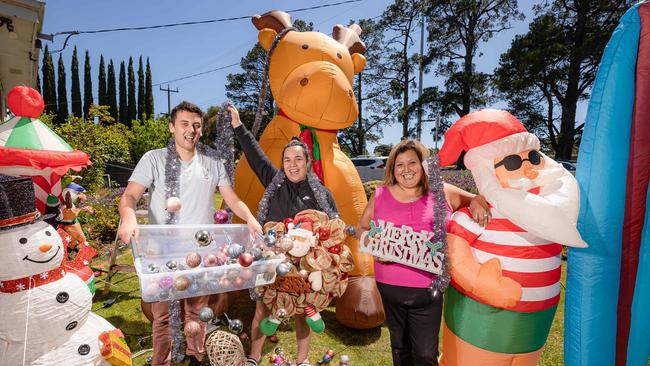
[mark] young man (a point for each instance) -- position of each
(195, 181)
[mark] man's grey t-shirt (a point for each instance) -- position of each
(198, 179)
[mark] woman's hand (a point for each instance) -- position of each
(382, 260)
(480, 210)
(234, 116)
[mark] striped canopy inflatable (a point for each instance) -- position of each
(29, 148)
(607, 314)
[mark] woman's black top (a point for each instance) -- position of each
(290, 198)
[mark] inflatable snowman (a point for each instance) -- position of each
(45, 316)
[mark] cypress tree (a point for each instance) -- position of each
(88, 86)
(141, 97)
(75, 88)
(101, 91)
(131, 90)
(111, 91)
(49, 92)
(148, 94)
(38, 83)
(62, 114)
(124, 107)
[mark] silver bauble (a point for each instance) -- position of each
(203, 238)
(236, 326)
(206, 314)
(172, 265)
(283, 269)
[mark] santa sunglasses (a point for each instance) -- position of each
(514, 162)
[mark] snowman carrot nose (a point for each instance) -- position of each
(45, 247)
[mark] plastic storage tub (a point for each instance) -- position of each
(161, 252)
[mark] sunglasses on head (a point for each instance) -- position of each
(514, 162)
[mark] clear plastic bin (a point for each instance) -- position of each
(158, 245)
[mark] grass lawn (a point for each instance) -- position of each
(365, 348)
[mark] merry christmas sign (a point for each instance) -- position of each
(402, 244)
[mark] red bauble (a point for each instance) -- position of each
(287, 221)
(335, 249)
(323, 233)
(25, 102)
(245, 259)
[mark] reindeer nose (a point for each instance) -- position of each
(304, 81)
(45, 247)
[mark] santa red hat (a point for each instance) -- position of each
(487, 134)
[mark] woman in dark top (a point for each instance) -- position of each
(289, 190)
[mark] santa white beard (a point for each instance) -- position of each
(552, 214)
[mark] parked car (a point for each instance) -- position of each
(370, 167)
(570, 166)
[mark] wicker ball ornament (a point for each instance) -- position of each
(224, 349)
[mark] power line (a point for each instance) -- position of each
(71, 33)
(197, 74)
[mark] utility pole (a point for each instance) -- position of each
(419, 126)
(169, 91)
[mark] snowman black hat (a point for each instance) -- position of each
(18, 202)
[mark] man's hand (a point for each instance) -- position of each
(127, 230)
(254, 227)
(234, 116)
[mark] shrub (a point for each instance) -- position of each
(370, 187)
(102, 224)
(104, 142)
(148, 135)
(460, 178)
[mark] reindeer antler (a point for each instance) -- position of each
(274, 19)
(349, 37)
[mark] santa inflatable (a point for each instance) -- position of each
(45, 316)
(506, 276)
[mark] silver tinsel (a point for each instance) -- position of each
(173, 189)
(178, 339)
(436, 187)
(224, 141)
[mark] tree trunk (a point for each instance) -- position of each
(567, 124)
(361, 146)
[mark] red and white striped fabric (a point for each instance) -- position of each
(533, 262)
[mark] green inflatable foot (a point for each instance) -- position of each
(269, 326)
(313, 319)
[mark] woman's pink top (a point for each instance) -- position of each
(419, 216)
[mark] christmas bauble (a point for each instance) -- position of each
(193, 260)
(173, 204)
(236, 326)
(181, 283)
(221, 216)
(245, 259)
(203, 238)
(206, 314)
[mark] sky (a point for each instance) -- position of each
(178, 52)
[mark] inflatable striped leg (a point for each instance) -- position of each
(457, 352)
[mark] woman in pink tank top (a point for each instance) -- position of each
(412, 313)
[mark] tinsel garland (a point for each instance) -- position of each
(224, 145)
(224, 141)
(314, 184)
(261, 102)
(173, 189)
(436, 187)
